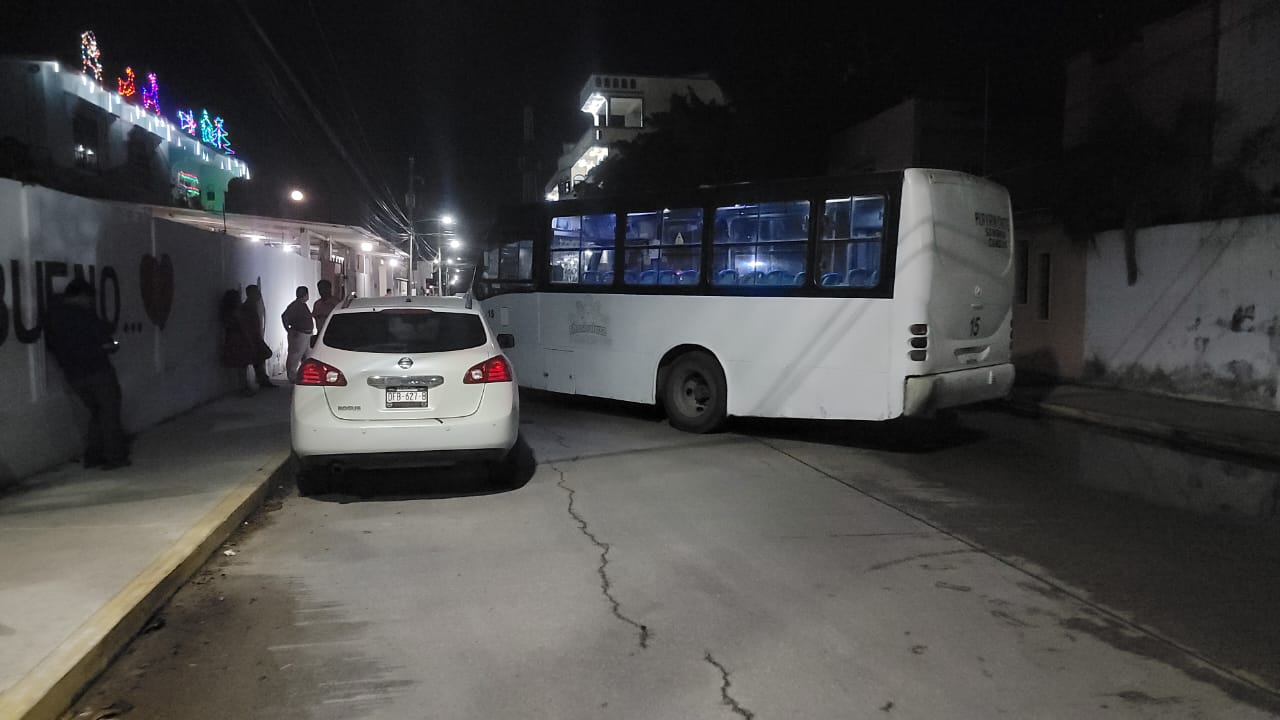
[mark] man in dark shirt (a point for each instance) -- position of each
(299, 325)
(80, 342)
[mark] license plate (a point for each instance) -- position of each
(400, 397)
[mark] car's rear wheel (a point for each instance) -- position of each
(694, 393)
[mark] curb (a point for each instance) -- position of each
(1180, 437)
(52, 686)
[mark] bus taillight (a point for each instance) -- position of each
(919, 341)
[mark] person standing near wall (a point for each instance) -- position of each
(253, 315)
(238, 347)
(298, 324)
(324, 304)
(81, 343)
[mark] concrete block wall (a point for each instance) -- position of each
(160, 283)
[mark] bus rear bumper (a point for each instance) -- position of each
(926, 393)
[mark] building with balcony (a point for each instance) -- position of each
(620, 107)
(63, 129)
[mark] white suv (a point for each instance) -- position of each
(403, 381)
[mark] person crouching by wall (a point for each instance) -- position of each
(299, 325)
(81, 343)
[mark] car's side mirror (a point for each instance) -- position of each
(506, 340)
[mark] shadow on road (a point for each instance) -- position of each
(901, 435)
(396, 484)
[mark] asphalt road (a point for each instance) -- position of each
(779, 570)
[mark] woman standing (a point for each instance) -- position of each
(237, 343)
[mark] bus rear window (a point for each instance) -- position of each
(391, 331)
(849, 242)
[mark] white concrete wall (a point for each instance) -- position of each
(1202, 321)
(168, 363)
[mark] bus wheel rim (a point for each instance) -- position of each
(695, 394)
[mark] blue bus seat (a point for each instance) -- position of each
(778, 277)
(667, 277)
(862, 278)
(649, 277)
(801, 277)
(689, 277)
(830, 279)
(728, 276)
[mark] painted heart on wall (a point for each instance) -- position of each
(157, 288)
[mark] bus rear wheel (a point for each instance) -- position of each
(693, 393)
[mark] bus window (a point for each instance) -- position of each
(582, 249)
(849, 242)
(663, 248)
(760, 244)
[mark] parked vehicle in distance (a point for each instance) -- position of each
(404, 382)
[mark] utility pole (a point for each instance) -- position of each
(410, 200)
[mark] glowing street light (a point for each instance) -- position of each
(297, 195)
(455, 243)
(446, 219)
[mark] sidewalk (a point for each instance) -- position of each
(88, 555)
(1187, 424)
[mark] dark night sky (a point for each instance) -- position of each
(445, 81)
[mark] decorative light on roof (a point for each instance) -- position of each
(126, 85)
(151, 94)
(90, 56)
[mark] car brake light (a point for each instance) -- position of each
(314, 372)
(495, 369)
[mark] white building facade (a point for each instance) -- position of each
(620, 107)
(63, 129)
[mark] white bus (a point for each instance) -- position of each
(860, 298)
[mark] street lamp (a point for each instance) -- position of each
(437, 248)
(297, 195)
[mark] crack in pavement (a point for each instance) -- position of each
(725, 684)
(606, 586)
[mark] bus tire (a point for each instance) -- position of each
(694, 393)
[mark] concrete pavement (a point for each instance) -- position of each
(91, 555)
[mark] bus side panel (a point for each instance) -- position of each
(517, 314)
(783, 357)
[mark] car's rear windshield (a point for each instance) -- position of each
(404, 331)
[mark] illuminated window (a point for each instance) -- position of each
(849, 242)
(760, 244)
(582, 249)
(663, 248)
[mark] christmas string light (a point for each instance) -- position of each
(151, 94)
(187, 122)
(222, 139)
(206, 128)
(126, 84)
(189, 183)
(90, 57)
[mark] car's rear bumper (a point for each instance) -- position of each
(320, 438)
(433, 458)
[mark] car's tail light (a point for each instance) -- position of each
(314, 372)
(495, 369)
